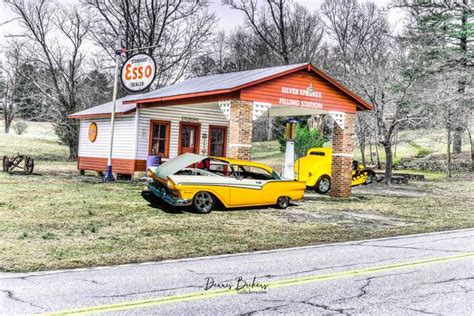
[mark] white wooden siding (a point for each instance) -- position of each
(208, 114)
(124, 138)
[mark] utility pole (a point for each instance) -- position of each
(108, 177)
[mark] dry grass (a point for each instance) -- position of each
(59, 221)
(56, 219)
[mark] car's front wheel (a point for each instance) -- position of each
(203, 202)
(283, 202)
(323, 185)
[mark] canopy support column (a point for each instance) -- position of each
(342, 148)
(240, 138)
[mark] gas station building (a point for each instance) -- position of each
(214, 115)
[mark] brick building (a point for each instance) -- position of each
(213, 115)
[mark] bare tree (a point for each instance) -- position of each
(55, 42)
(9, 81)
(369, 59)
(287, 28)
(174, 31)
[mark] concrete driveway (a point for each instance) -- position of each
(418, 274)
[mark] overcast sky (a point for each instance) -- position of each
(229, 19)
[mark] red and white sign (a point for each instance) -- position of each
(138, 72)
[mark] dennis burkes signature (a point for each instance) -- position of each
(239, 284)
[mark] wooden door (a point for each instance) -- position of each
(217, 141)
(189, 138)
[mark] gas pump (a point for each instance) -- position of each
(289, 162)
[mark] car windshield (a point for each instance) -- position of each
(217, 167)
(255, 173)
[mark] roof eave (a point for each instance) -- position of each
(361, 103)
(99, 115)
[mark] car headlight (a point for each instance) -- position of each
(170, 184)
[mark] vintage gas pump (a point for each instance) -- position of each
(289, 162)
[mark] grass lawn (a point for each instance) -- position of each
(57, 219)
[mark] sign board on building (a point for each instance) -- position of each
(190, 119)
(92, 132)
(292, 96)
(138, 72)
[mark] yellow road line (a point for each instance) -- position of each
(270, 285)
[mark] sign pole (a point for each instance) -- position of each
(108, 177)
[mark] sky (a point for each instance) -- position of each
(228, 18)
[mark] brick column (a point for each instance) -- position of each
(342, 149)
(240, 134)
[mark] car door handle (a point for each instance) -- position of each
(258, 182)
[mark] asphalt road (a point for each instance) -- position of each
(420, 274)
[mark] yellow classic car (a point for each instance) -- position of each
(202, 181)
(315, 170)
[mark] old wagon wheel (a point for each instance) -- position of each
(29, 165)
(6, 164)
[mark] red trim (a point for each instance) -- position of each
(224, 151)
(168, 132)
(192, 100)
(197, 136)
(122, 166)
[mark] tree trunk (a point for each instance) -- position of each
(457, 135)
(8, 123)
(378, 156)
(457, 140)
(395, 145)
(73, 150)
(388, 162)
(270, 129)
(448, 167)
(472, 149)
(371, 153)
(362, 152)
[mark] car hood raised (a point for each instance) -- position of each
(176, 164)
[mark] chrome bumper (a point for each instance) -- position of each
(168, 198)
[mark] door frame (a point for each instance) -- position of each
(224, 151)
(197, 136)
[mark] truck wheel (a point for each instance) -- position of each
(6, 164)
(283, 202)
(370, 177)
(203, 202)
(323, 185)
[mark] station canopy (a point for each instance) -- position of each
(290, 90)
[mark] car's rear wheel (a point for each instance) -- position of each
(203, 202)
(323, 185)
(370, 177)
(283, 202)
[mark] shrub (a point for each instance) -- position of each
(20, 127)
(305, 139)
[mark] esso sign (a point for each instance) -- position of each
(138, 72)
